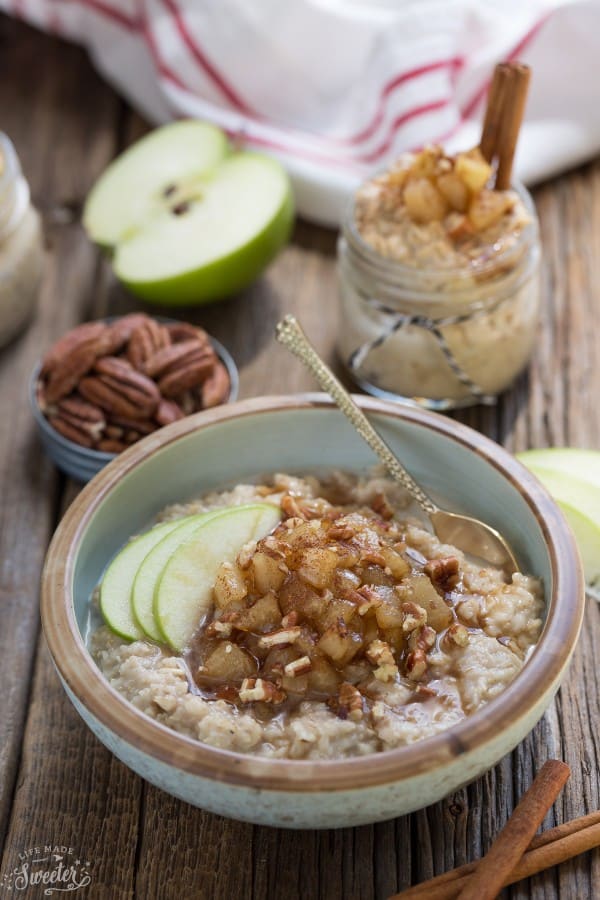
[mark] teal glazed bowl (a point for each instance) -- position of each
(456, 465)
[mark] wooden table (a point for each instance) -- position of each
(58, 785)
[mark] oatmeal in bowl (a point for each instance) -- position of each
(174, 709)
(346, 629)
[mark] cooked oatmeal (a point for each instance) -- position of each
(348, 630)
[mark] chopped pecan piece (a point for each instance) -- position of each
(367, 598)
(416, 665)
(349, 703)
(380, 654)
(381, 506)
(444, 573)
(281, 638)
(259, 689)
(298, 667)
(414, 617)
(457, 635)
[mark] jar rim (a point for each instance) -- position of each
(404, 273)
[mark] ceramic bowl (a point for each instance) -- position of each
(455, 464)
(82, 463)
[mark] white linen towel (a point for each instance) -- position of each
(335, 88)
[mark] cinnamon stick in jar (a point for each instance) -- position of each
(510, 124)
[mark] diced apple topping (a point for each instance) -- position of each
(434, 187)
(325, 606)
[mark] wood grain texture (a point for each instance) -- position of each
(57, 783)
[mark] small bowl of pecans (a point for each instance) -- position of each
(106, 384)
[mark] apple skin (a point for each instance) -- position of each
(183, 593)
(572, 477)
(225, 276)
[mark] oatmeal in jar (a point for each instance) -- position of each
(347, 630)
(439, 281)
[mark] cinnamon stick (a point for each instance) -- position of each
(551, 848)
(493, 112)
(513, 109)
(511, 843)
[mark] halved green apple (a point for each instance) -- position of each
(117, 584)
(572, 476)
(187, 220)
(183, 595)
(151, 568)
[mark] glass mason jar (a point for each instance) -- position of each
(21, 246)
(442, 338)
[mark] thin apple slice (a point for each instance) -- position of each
(579, 499)
(571, 461)
(183, 595)
(216, 240)
(151, 566)
(116, 586)
(140, 181)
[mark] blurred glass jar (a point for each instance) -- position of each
(439, 337)
(21, 246)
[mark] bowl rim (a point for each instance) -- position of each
(102, 456)
(87, 684)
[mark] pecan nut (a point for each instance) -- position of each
(145, 340)
(169, 358)
(63, 372)
(133, 396)
(216, 387)
(168, 411)
(189, 374)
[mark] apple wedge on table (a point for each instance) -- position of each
(187, 220)
(572, 476)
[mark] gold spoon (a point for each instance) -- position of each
(468, 534)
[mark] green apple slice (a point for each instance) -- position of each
(578, 498)
(116, 587)
(132, 189)
(151, 567)
(225, 228)
(184, 592)
(187, 220)
(571, 461)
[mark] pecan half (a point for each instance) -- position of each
(120, 331)
(184, 331)
(216, 388)
(134, 396)
(188, 374)
(168, 411)
(145, 340)
(167, 359)
(63, 372)
(69, 342)
(72, 431)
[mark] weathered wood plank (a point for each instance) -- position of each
(60, 117)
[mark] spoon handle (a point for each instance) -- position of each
(290, 334)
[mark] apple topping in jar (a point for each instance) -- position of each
(439, 281)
